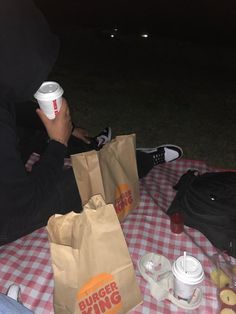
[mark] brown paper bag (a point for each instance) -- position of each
(111, 172)
(93, 271)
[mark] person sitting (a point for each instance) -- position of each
(27, 54)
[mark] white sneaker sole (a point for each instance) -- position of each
(153, 149)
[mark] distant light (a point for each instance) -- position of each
(112, 35)
(115, 29)
(144, 35)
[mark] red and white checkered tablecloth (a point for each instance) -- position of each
(27, 261)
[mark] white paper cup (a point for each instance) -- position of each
(49, 98)
(188, 275)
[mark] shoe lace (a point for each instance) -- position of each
(159, 156)
(101, 140)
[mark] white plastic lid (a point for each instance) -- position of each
(189, 271)
(48, 91)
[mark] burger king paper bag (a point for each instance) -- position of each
(111, 172)
(93, 271)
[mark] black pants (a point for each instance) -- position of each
(33, 138)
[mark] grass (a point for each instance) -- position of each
(164, 90)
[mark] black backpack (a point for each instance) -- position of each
(208, 204)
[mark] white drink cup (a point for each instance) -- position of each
(49, 98)
(188, 276)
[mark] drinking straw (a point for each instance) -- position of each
(185, 262)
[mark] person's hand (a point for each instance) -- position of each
(81, 134)
(58, 129)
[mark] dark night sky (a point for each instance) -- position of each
(172, 17)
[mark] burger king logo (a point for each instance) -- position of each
(99, 295)
(123, 199)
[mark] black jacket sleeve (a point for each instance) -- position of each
(28, 51)
(48, 185)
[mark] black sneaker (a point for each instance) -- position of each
(101, 139)
(163, 153)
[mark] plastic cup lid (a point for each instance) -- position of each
(189, 271)
(48, 91)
